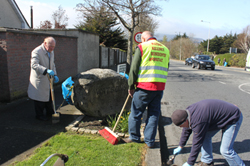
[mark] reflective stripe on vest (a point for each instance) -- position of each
(153, 67)
(154, 63)
(152, 75)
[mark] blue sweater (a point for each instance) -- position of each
(207, 115)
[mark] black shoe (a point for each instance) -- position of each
(42, 118)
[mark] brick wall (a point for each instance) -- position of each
(15, 53)
(4, 84)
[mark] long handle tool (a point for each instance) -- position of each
(56, 115)
(108, 134)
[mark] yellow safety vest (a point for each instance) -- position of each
(154, 63)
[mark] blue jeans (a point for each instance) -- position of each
(226, 149)
(141, 100)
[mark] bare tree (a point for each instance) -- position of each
(128, 12)
(188, 48)
(45, 24)
(60, 18)
(146, 23)
(243, 41)
(164, 40)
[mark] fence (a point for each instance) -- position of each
(110, 58)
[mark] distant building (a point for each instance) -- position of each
(11, 16)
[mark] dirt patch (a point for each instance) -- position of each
(93, 123)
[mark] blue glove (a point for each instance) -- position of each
(50, 72)
(56, 79)
(177, 150)
(186, 164)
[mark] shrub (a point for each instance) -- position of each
(238, 60)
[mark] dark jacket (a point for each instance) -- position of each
(207, 115)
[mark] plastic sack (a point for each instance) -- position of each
(225, 64)
(67, 89)
(126, 76)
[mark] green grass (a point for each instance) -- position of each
(91, 150)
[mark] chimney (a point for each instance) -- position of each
(31, 17)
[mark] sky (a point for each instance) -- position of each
(220, 17)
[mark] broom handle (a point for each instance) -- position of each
(52, 91)
(121, 113)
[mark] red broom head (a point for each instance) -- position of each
(109, 135)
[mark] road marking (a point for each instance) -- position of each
(222, 82)
(240, 87)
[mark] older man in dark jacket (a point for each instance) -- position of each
(205, 118)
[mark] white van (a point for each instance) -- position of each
(247, 68)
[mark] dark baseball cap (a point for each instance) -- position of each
(179, 117)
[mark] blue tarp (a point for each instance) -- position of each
(66, 91)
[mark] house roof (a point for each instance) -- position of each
(25, 24)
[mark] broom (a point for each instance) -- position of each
(108, 134)
(56, 115)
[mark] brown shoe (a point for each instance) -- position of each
(205, 164)
(127, 140)
(150, 147)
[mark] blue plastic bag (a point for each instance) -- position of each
(126, 76)
(67, 87)
(225, 64)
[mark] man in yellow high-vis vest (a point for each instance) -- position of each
(147, 78)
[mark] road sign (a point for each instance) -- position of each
(121, 68)
(137, 37)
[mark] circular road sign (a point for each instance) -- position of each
(137, 37)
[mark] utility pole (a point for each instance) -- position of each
(208, 35)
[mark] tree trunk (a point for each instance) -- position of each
(129, 52)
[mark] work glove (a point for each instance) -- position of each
(177, 150)
(186, 164)
(56, 79)
(50, 72)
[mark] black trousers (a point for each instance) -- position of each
(40, 106)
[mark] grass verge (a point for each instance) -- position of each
(84, 149)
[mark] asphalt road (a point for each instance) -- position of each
(186, 86)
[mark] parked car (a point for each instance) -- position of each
(188, 61)
(203, 61)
